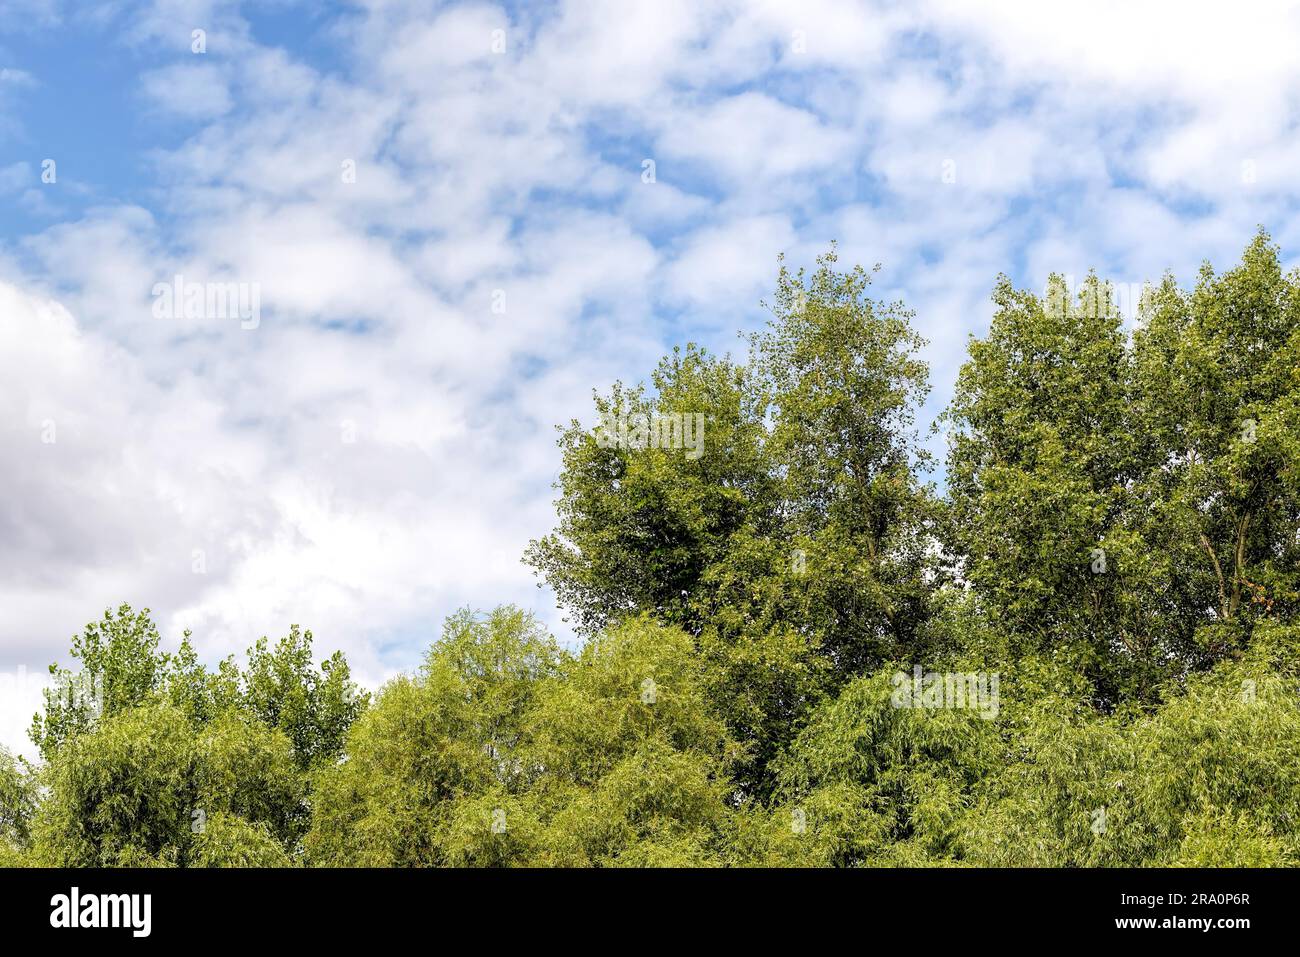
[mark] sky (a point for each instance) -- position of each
(450, 222)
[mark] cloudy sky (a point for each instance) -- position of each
(446, 213)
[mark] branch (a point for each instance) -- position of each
(1218, 570)
(1240, 558)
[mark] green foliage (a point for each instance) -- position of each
(17, 805)
(152, 759)
(120, 667)
(1122, 493)
(636, 762)
(504, 751)
(140, 788)
(1210, 778)
(453, 732)
(231, 841)
(873, 774)
(314, 708)
(794, 548)
(1115, 559)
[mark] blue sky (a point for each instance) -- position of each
(378, 450)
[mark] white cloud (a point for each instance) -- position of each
(196, 91)
(752, 138)
(731, 265)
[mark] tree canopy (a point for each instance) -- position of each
(1078, 647)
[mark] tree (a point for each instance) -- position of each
(1219, 384)
(882, 784)
(1085, 654)
(120, 667)
(140, 789)
(18, 801)
(1131, 501)
(314, 708)
(1209, 778)
(506, 751)
(636, 761)
(794, 547)
(640, 527)
(144, 749)
(429, 744)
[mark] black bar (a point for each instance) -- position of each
(332, 906)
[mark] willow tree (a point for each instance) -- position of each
(504, 750)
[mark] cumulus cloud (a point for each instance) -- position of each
(195, 91)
